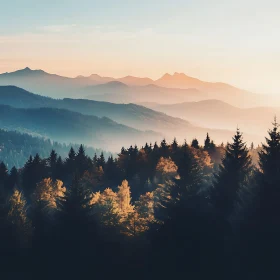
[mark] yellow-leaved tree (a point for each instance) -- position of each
(17, 216)
(49, 191)
(124, 200)
(106, 207)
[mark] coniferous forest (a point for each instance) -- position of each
(163, 210)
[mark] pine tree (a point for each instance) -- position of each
(3, 178)
(269, 195)
(33, 172)
(111, 170)
(260, 227)
(13, 179)
(147, 148)
(95, 160)
(184, 223)
(81, 161)
(101, 161)
(164, 148)
(17, 216)
(233, 176)
(76, 229)
(174, 145)
(195, 143)
(252, 146)
(59, 170)
(52, 160)
(75, 219)
(155, 146)
(207, 142)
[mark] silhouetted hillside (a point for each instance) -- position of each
(66, 126)
(168, 89)
(218, 114)
(15, 148)
(128, 114)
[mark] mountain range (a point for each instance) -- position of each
(218, 114)
(92, 120)
(71, 127)
(169, 88)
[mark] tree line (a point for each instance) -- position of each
(164, 210)
(15, 148)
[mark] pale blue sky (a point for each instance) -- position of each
(232, 41)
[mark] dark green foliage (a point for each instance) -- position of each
(196, 235)
(233, 176)
(16, 148)
(207, 142)
(101, 161)
(174, 145)
(13, 180)
(164, 148)
(195, 143)
(33, 172)
(82, 162)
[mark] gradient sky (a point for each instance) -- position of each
(231, 41)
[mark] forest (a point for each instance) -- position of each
(16, 147)
(158, 211)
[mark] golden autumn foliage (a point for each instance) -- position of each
(48, 190)
(17, 216)
(115, 208)
(167, 166)
(124, 199)
(92, 179)
(106, 207)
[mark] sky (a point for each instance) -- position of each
(230, 41)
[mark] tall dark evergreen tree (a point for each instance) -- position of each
(95, 160)
(52, 160)
(101, 161)
(3, 178)
(81, 161)
(195, 143)
(164, 152)
(207, 142)
(260, 226)
(13, 180)
(76, 228)
(233, 175)
(267, 203)
(184, 243)
(174, 145)
(33, 172)
(70, 164)
(59, 170)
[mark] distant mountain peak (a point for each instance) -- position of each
(166, 75)
(92, 76)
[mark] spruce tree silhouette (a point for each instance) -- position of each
(174, 145)
(76, 229)
(263, 226)
(101, 161)
(59, 169)
(207, 142)
(164, 149)
(185, 244)
(33, 172)
(195, 143)
(13, 180)
(82, 162)
(3, 179)
(52, 161)
(233, 175)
